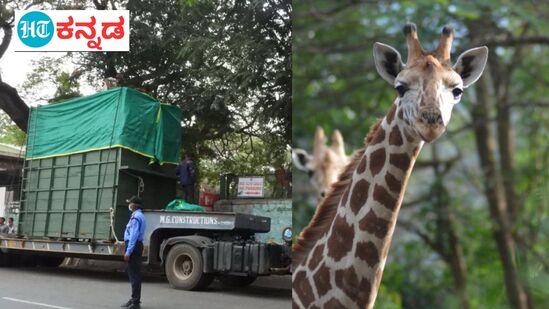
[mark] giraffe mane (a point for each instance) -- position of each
(327, 209)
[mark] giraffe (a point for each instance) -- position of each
(326, 162)
(338, 259)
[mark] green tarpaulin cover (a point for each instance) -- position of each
(183, 206)
(119, 117)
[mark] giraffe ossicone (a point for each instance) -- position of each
(338, 259)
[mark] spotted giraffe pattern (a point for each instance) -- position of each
(345, 266)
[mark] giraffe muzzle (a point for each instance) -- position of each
(430, 125)
(431, 118)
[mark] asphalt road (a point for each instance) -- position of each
(64, 288)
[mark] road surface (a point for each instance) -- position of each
(66, 288)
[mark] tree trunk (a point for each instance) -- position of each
(452, 251)
(502, 85)
(457, 264)
(14, 106)
(8, 32)
(495, 197)
(10, 102)
(501, 75)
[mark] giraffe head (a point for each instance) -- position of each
(428, 86)
(326, 162)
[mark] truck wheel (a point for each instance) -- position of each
(49, 261)
(232, 281)
(24, 260)
(4, 259)
(184, 268)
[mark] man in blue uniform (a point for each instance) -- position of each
(133, 239)
(187, 177)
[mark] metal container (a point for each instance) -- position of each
(83, 196)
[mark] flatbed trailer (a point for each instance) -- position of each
(191, 247)
(76, 179)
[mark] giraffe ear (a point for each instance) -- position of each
(300, 158)
(388, 62)
(470, 65)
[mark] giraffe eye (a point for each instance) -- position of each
(401, 89)
(457, 92)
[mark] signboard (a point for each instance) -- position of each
(194, 220)
(72, 30)
(250, 186)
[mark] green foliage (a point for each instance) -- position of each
(245, 154)
(67, 87)
(48, 71)
(9, 132)
(226, 64)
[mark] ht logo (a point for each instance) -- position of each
(35, 29)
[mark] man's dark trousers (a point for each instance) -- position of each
(188, 190)
(134, 271)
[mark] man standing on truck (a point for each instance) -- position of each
(187, 177)
(133, 239)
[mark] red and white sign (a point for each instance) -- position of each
(250, 186)
(72, 30)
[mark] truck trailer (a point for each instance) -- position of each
(86, 156)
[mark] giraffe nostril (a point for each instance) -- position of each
(431, 118)
(322, 194)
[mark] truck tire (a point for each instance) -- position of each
(184, 268)
(49, 261)
(4, 259)
(24, 260)
(232, 281)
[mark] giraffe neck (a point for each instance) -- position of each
(345, 266)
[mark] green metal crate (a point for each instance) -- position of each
(82, 196)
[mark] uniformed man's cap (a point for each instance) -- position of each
(134, 200)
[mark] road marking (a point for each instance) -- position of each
(33, 303)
